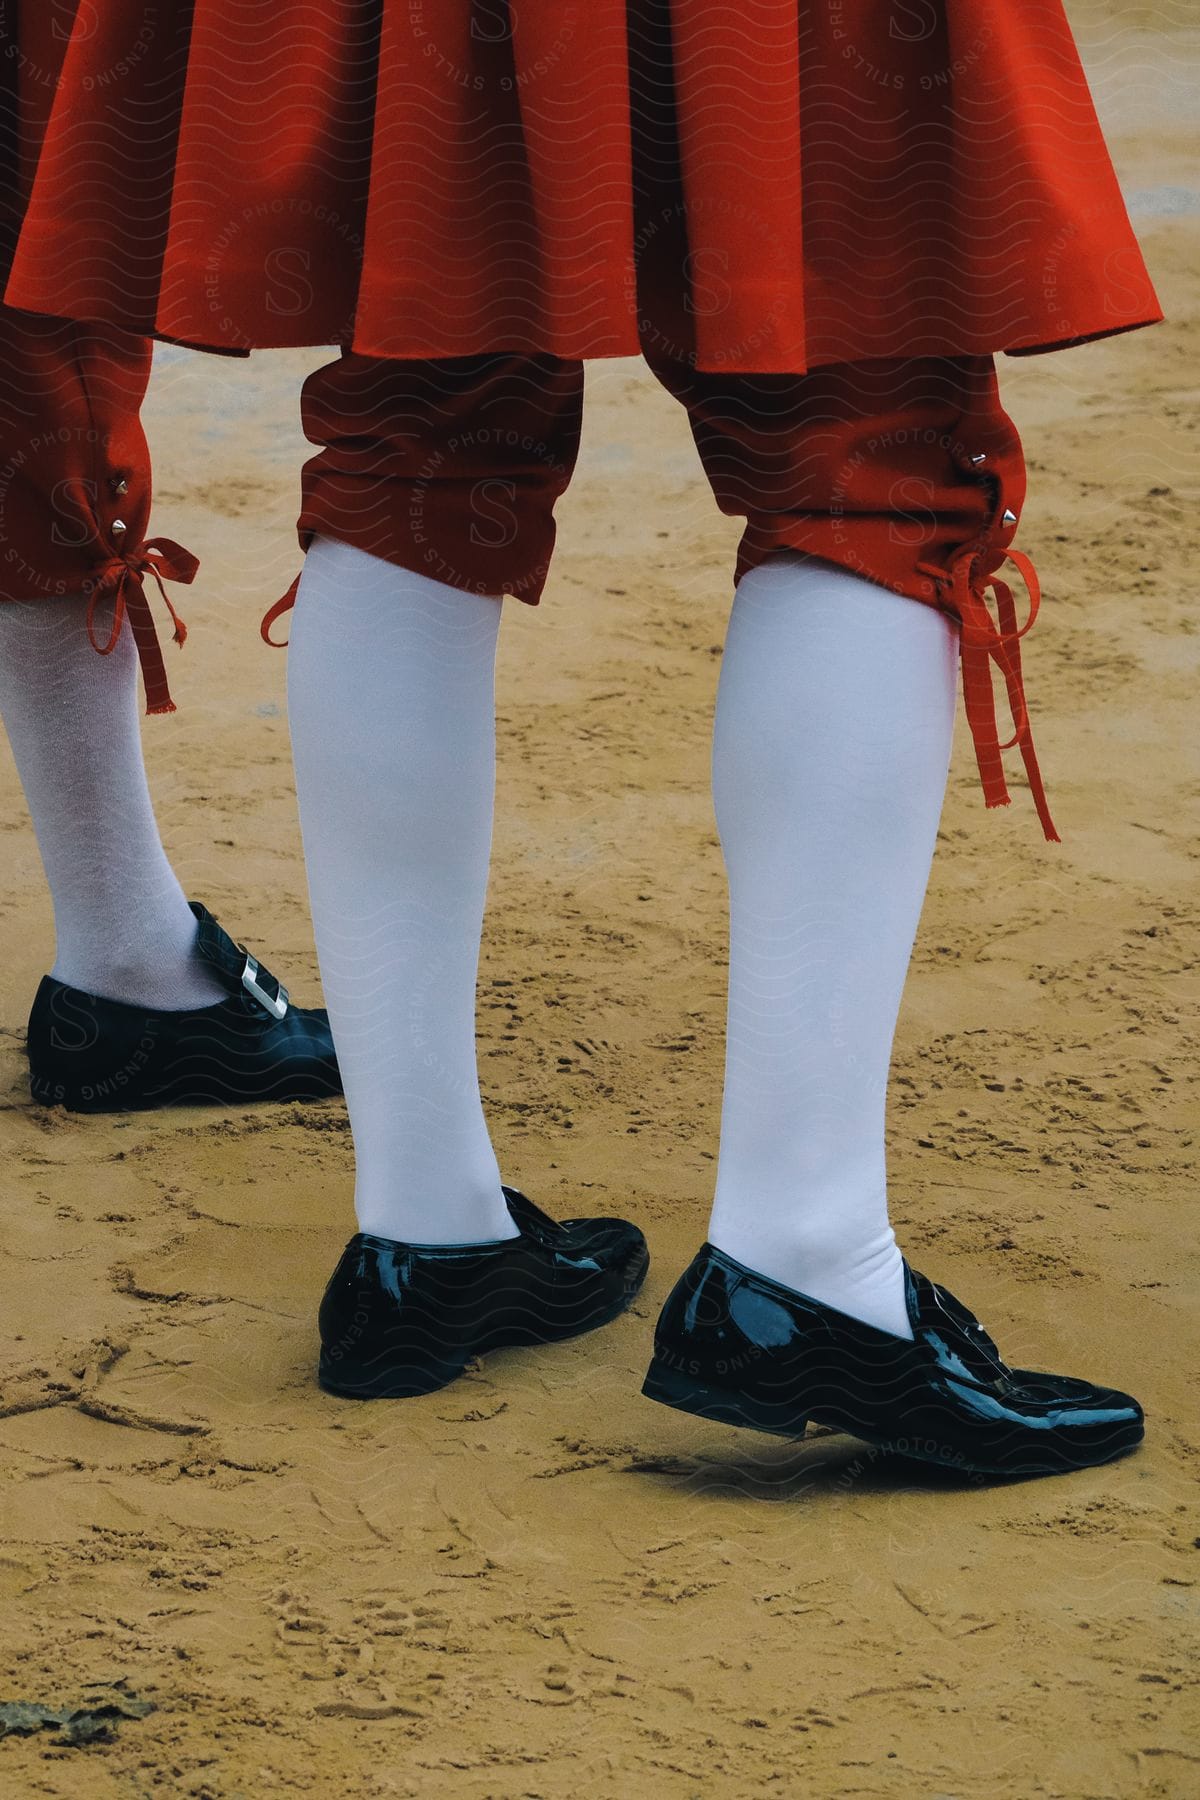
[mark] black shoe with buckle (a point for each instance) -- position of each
(401, 1319)
(94, 1055)
(734, 1345)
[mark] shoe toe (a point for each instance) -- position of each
(605, 1243)
(603, 1228)
(1057, 1423)
(1078, 1406)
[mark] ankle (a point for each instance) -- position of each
(463, 1211)
(161, 969)
(861, 1274)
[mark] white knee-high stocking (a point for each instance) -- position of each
(121, 919)
(831, 747)
(391, 697)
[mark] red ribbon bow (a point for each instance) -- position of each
(124, 577)
(982, 643)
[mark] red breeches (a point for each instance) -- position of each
(906, 471)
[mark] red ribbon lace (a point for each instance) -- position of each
(982, 644)
(282, 605)
(124, 577)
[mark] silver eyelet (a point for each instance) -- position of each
(119, 527)
(1008, 517)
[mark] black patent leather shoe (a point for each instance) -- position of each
(94, 1055)
(401, 1319)
(736, 1346)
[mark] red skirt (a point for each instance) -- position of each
(766, 185)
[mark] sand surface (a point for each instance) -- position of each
(536, 1583)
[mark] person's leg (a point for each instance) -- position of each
(74, 498)
(832, 738)
(122, 923)
(831, 744)
(433, 495)
(391, 700)
(150, 1002)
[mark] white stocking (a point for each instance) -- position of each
(831, 747)
(391, 696)
(121, 918)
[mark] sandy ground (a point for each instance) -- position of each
(536, 1583)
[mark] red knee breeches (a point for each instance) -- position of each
(906, 471)
(75, 481)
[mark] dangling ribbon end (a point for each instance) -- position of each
(980, 643)
(1039, 799)
(125, 577)
(282, 605)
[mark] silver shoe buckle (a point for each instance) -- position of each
(276, 1004)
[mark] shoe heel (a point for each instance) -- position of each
(692, 1394)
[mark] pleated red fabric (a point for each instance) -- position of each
(763, 185)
